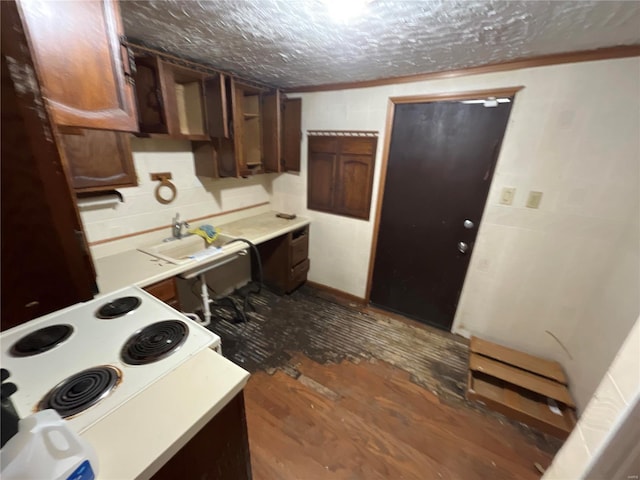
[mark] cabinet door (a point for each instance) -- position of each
(322, 170)
(341, 174)
(227, 164)
(219, 450)
(151, 111)
(237, 101)
(271, 129)
(82, 65)
(291, 134)
(216, 110)
(99, 160)
(353, 185)
(45, 261)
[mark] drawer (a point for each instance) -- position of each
(299, 249)
(164, 290)
(298, 274)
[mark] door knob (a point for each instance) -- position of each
(468, 224)
(462, 247)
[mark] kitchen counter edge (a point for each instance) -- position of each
(133, 267)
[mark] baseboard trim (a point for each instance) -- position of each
(337, 295)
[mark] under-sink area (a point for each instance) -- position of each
(187, 249)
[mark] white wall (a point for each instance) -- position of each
(614, 402)
(570, 267)
(198, 196)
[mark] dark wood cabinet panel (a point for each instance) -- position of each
(219, 451)
(284, 260)
(322, 168)
(353, 194)
(216, 110)
(82, 65)
(151, 111)
(166, 291)
(99, 160)
(226, 155)
(291, 134)
(340, 176)
(271, 128)
(171, 99)
(45, 261)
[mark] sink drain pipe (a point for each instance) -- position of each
(204, 289)
(204, 293)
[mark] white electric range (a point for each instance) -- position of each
(88, 359)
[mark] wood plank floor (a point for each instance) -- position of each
(338, 392)
(369, 421)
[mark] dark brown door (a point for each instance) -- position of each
(441, 161)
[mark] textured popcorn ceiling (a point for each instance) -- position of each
(297, 42)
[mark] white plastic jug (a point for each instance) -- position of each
(46, 448)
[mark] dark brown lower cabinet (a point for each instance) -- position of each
(166, 291)
(284, 260)
(219, 451)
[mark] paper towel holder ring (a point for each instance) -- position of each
(163, 178)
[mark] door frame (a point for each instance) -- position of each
(388, 130)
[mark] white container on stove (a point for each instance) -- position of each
(45, 447)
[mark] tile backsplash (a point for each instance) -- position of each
(197, 196)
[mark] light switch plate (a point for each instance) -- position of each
(506, 197)
(534, 199)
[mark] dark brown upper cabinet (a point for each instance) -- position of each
(236, 129)
(171, 99)
(98, 160)
(247, 128)
(264, 132)
(82, 65)
(246, 132)
(341, 174)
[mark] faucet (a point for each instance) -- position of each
(176, 227)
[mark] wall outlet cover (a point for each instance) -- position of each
(534, 199)
(506, 196)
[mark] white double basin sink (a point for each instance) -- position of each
(193, 248)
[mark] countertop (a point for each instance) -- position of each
(135, 440)
(133, 267)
